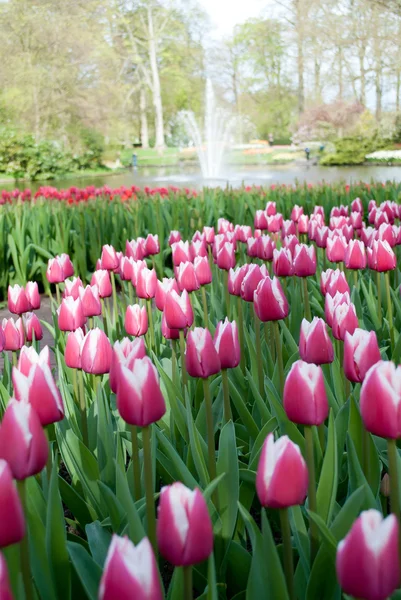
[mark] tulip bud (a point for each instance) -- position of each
(101, 278)
(282, 262)
(152, 245)
(344, 319)
(315, 346)
(13, 334)
(304, 263)
(12, 525)
(32, 293)
(32, 326)
(227, 346)
(226, 257)
(73, 347)
(55, 272)
(70, 314)
(136, 320)
(282, 475)
(146, 283)
(139, 398)
(361, 351)
(21, 429)
(130, 571)
(18, 303)
(331, 303)
(124, 353)
(235, 279)
(253, 276)
(305, 400)
(96, 352)
(186, 277)
(201, 358)
(202, 270)
(178, 310)
(184, 527)
(367, 562)
(72, 287)
(269, 300)
(355, 255)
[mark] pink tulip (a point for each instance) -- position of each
(139, 398)
(70, 314)
(130, 572)
(270, 208)
(198, 249)
(126, 268)
(381, 256)
(175, 236)
(23, 443)
(235, 279)
(331, 303)
(357, 206)
(361, 351)
(269, 300)
(135, 249)
(227, 346)
(67, 266)
(282, 262)
(32, 293)
(290, 243)
(136, 320)
(226, 257)
(305, 399)
(96, 352)
(124, 353)
(186, 277)
(152, 245)
(243, 233)
(253, 276)
(282, 475)
(178, 310)
(18, 302)
(252, 247)
(274, 223)
(296, 213)
(265, 247)
(32, 326)
(344, 319)
(55, 272)
(209, 234)
(146, 284)
(90, 300)
(73, 348)
(224, 226)
(315, 345)
(355, 255)
(5, 587)
(202, 270)
(184, 527)
(201, 358)
(321, 237)
(12, 525)
(335, 249)
(162, 287)
(167, 333)
(13, 334)
(303, 223)
(101, 278)
(181, 252)
(367, 563)
(72, 287)
(288, 228)
(304, 263)
(260, 220)
(356, 220)
(333, 281)
(28, 357)
(137, 266)
(380, 400)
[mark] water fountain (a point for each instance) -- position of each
(211, 143)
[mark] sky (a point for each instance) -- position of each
(225, 14)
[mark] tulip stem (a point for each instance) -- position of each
(183, 367)
(58, 296)
(288, 558)
(355, 272)
(104, 315)
(174, 361)
(226, 397)
(210, 435)
(115, 308)
(389, 308)
(241, 332)
(82, 406)
(188, 588)
(15, 358)
(379, 297)
(204, 302)
(151, 328)
(258, 347)
(24, 547)
(136, 467)
(279, 354)
(365, 456)
(308, 314)
(130, 293)
(150, 500)
(75, 385)
(393, 472)
(310, 461)
(226, 293)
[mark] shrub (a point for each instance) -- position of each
(352, 150)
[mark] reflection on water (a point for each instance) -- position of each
(249, 175)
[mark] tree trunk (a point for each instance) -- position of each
(144, 119)
(300, 57)
(157, 96)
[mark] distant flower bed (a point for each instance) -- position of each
(384, 156)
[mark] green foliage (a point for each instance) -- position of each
(352, 150)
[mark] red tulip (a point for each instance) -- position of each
(162, 287)
(130, 572)
(282, 262)
(178, 310)
(253, 276)
(12, 525)
(186, 277)
(124, 353)
(18, 302)
(72, 287)
(13, 334)
(367, 563)
(226, 257)
(23, 443)
(136, 320)
(361, 351)
(269, 300)
(70, 314)
(55, 272)
(227, 346)
(344, 319)
(184, 527)
(355, 255)
(315, 345)
(331, 303)
(201, 358)
(101, 278)
(202, 270)
(305, 399)
(32, 326)
(304, 262)
(282, 475)
(96, 352)
(139, 398)
(146, 284)
(32, 293)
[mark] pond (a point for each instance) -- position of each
(235, 176)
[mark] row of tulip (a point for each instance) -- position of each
(209, 413)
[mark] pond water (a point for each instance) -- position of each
(234, 176)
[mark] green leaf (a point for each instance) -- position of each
(229, 489)
(135, 527)
(360, 436)
(328, 481)
(86, 568)
(244, 414)
(99, 541)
